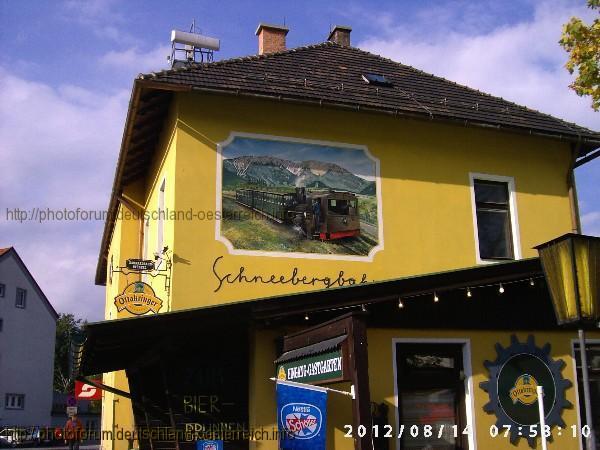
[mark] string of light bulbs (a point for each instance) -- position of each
(469, 289)
(436, 296)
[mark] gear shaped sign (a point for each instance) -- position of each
(514, 376)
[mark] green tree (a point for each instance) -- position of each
(66, 326)
(582, 42)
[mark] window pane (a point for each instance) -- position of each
(491, 192)
(21, 298)
(494, 234)
(338, 206)
(435, 407)
(430, 362)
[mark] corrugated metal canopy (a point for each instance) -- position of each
(314, 349)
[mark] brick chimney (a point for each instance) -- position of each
(271, 38)
(340, 35)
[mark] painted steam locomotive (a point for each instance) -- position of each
(322, 214)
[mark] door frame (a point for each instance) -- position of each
(575, 342)
(469, 390)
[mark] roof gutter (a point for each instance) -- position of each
(586, 159)
(572, 187)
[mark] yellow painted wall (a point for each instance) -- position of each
(127, 242)
(427, 220)
(262, 390)
(117, 413)
(382, 383)
(482, 343)
(426, 197)
(427, 210)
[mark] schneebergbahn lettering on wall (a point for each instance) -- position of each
(320, 214)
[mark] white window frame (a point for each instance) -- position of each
(13, 397)
(146, 231)
(575, 342)
(24, 304)
(468, 371)
(514, 217)
(160, 229)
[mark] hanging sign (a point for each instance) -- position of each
(301, 416)
(514, 377)
(71, 411)
(141, 265)
(84, 391)
(327, 367)
(138, 298)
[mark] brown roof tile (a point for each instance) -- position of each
(324, 74)
(332, 73)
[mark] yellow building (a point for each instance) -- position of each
(328, 189)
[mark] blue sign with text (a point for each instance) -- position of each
(209, 445)
(301, 416)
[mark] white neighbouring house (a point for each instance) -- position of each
(27, 338)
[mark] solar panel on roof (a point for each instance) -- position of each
(377, 79)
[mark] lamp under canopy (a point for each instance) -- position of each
(571, 265)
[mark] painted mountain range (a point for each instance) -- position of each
(270, 171)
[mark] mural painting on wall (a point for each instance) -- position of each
(289, 197)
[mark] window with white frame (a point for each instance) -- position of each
(593, 360)
(161, 218)
(145, 238)
(145, 245)
(21, 299)
(495, 220)
(15, 401)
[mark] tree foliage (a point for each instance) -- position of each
(66, 327)
(582, 42)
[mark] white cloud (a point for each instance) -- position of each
(590, 223)
(521, 62)
(135, 61)
(59, 147)
(91, 10)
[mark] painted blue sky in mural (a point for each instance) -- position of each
(352, 159)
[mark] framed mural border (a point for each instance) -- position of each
(301, 255)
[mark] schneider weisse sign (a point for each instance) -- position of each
(317, 368)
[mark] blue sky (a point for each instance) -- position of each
(67, 67)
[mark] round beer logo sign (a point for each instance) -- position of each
(524, 390)
(138, 298)
(512, 387)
